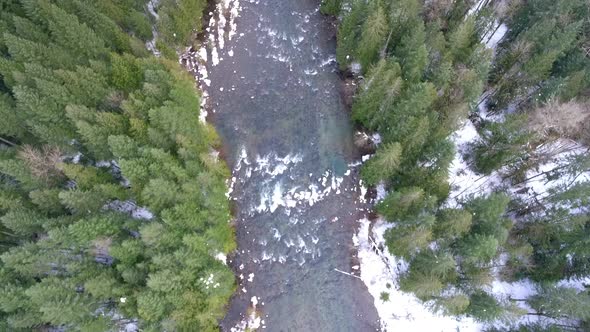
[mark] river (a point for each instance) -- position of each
(274, 96)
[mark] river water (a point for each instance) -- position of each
(273, 95)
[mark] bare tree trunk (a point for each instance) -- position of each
(495, 30)
(384, 49)
(482, 5)
(5, 141)
(540, 174)
(485, 97)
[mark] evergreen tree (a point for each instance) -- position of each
(541, 33)
(412, 53)
(378, 92)
(331, 7)
(484, 307)
(452, 224)
(77, 88)
(452, 305)
(410, 236)
(558, 302)
(178, 19)
(423, 81)
(373, 35)
(385, 163)
(501, 144)
(349, 31)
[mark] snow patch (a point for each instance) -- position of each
(464, 182)
(380, 272)
(221, 257)
(130, 207)
(381, 192)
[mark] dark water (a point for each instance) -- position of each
(277, 106)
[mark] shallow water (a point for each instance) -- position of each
(277, 106)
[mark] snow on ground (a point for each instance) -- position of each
(476, 7)
(380, 272)
(540, 180)
(557, 154)
(381, 192)
(222, 27)
(130, 207)
(497, 35)
(221, 257)
(464, 182)
(579, 284)
(497, 31)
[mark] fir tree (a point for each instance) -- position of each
(558, 302)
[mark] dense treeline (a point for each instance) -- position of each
(425, 66)
(92, 127)
(541, 80)
(178, 20)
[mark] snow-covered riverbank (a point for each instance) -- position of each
(381, 271)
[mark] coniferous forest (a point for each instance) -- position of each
(113, 208)
(425, 70)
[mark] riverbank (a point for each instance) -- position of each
(272, 89)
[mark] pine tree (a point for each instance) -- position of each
(412, 54)
(452, 305)
(159, 194)
(100, 23)
(489, 216)
(434, 263)
(423, 286)
(151, 307)
(479, 249)
(178, 19)
(25, 51)
(410, 236)
(27, 29)
(540, 34)
(559, 236)
(462, 40)
(378, 92)
(406, 202)
(349, 31)
(331, 7)
(68, 32)
(558, 302)
(85, 231)
(70, 92)
(383, 165)
(12, 123)
(409, 117)
(484, 308)
(501, 144)
(96, 127)
(85, 177)
(373, 36)
(452, 224)
(60, 302)
(23, 222)
(89, 201)
(126, 73)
